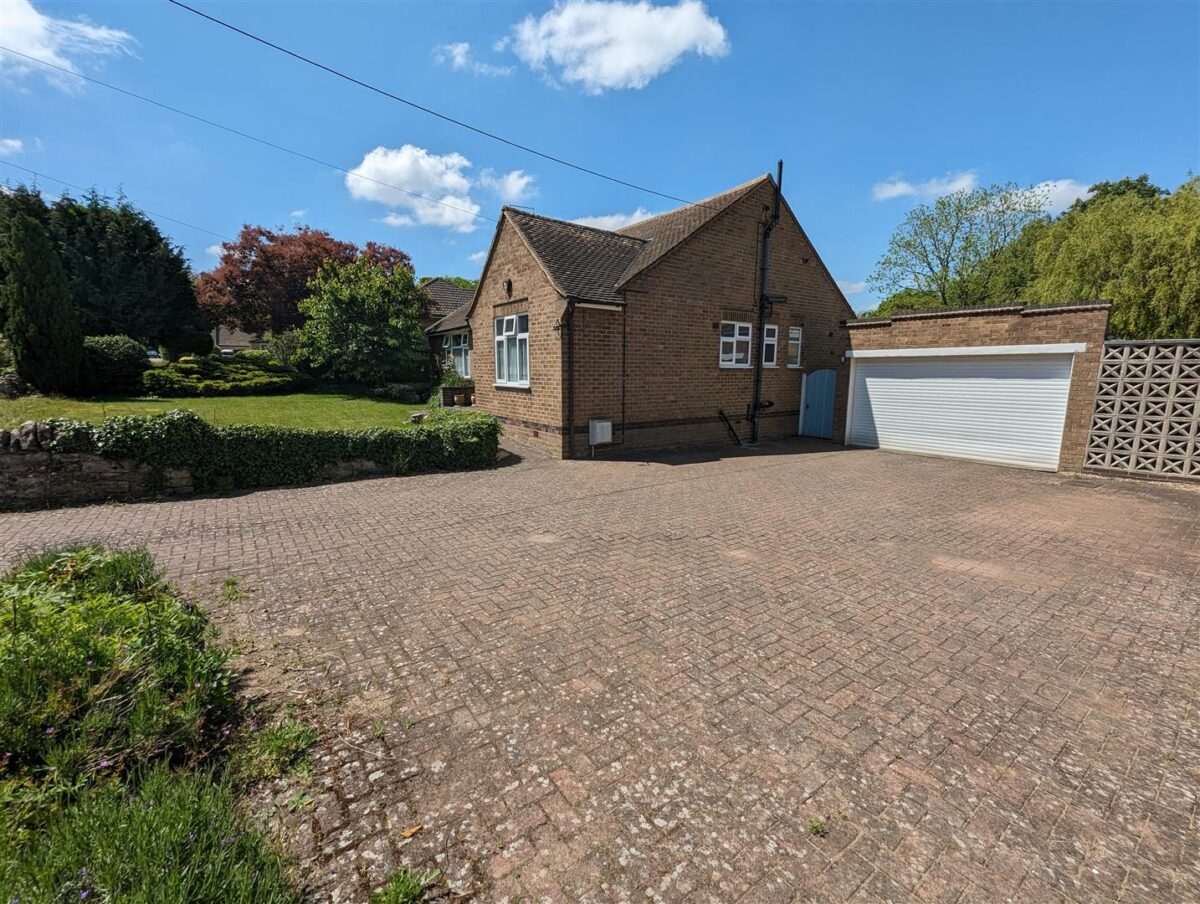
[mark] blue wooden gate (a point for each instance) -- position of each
(816, 415)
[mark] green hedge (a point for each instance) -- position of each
(113, 365)
(212, 375)
(244, 456)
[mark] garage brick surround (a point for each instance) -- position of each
(1009, 325)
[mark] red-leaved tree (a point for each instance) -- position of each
(263, 275)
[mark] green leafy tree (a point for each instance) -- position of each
(40, 320)
(1140, 251)
(126, 276)
(361, 323)
(1140, 186)
(947, 249)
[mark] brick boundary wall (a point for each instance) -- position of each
(1009, 324)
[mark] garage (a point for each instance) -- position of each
(1000, 404)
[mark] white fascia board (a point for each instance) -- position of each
(1061, 348)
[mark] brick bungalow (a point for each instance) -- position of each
(652, 330)
(445, 322)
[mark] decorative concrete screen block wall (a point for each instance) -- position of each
(1147, 418)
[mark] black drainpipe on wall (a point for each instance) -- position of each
(764, 303)
(568, 322)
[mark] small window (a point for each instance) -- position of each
(512, 350)
(770, 345)
(735, 344)
(456, 352)
(793, 350)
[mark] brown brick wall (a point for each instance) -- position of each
(1032, 326)
(674, 387)
(533, 415)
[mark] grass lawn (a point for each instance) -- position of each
(332, 410)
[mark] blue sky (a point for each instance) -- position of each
(873, 106)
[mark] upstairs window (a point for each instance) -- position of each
(770, 345)
(793, 349)
(512, 350)
(735, 344)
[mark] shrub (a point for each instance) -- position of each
(212, 375)
(248, 456)
(102, 667)
(256, 356)
(113, 364)
(173, 839)
(187, 341)
(285, 346)
(398, 392)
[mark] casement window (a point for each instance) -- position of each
(770, 345)
(735, 344)
(512, 350)
(456, 351)
(793, 349)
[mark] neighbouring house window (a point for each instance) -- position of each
(735, 344)
(770, 345)
(793, 353)
(512, 350)
(456, 350)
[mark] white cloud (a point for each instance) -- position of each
(1059, 194)
(478, 257)
(214, 250)
(440, 179)
(458, 56)
(60, 42)
(297, 214)
(512, 187)
(849, 287)
(614, 221)
(10, 146)
(603, 45)
(898, 187)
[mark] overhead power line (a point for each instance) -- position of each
(162, 216)
(429, 110)
(231, 130)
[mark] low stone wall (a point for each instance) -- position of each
(32, 476)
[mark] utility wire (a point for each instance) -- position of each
(162, 216)
(424, 109)
(231, 130)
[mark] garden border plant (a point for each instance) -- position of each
(249, 456)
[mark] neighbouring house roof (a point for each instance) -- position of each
(445, 296)
(590, 264)
(455, 320)
(230, 337)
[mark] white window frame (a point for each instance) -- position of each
(796, 338)
(457, 342)
(771, 341)
(727, 346)
(510, 334)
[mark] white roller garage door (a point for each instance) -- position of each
(1007, 407)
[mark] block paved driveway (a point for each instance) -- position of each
(628, 681)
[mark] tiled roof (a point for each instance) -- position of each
(455, 320)
(445, 296)
(582, 262)
(665, 231)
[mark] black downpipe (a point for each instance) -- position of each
(764, 303)
(569, 323)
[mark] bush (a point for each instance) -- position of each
(172, 839)
(102, 667)
(191, 341)
(398, 392)
(113, 365)
(212, 375)
(256, 356)
(248, 456)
